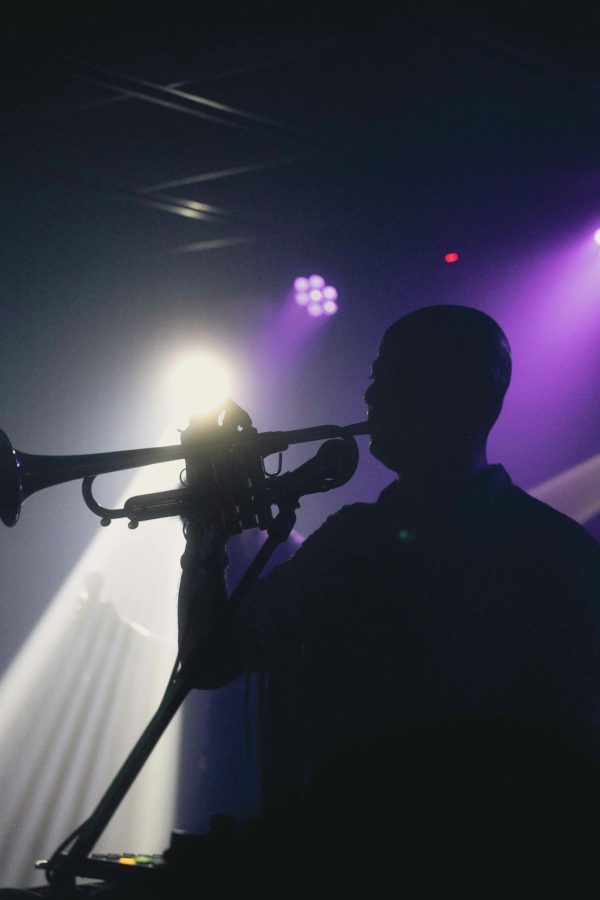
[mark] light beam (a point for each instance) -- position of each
(81, 691)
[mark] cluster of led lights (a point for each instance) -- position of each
(318, 298)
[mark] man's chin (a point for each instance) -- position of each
(384, 453)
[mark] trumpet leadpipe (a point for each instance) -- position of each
(276, 441)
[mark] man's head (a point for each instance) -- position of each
(438, 385)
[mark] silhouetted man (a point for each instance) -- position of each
(432, 659)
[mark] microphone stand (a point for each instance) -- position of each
(62, 868)
(333, 465)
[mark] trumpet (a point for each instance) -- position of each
(238, 487)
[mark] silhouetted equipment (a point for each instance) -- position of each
(226, 484)
(238, 486)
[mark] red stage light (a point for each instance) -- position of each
(451, 257)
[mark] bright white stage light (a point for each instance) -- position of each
(198, 384)
(597, 236)
(83, 688)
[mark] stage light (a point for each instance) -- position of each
(451, 257)
(198, 384)
(597, 236)
(318, 298)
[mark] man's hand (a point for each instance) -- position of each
(202, 591)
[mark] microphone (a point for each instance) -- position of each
(333, 465)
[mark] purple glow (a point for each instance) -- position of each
(549, 309)
(318, 298)
(597, 236)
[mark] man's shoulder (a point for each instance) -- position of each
(361, 513)
(547, 524)
(346, 521)
(533, 508)
(354, 526)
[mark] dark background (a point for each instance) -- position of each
(378, 145)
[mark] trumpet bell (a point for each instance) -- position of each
(10, 485)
